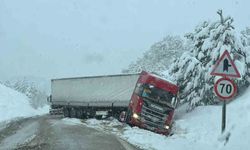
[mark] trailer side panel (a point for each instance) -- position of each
(94, 91)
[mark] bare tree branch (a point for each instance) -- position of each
(219, 12)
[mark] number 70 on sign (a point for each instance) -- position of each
(225, 88)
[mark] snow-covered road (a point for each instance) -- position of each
(54, 133)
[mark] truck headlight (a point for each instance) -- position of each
(166, 127)
(135, 116)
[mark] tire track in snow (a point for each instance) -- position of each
(22, 136)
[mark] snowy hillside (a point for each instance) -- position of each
(199, 129)
(35, 88)
(14, 104)
(42, 84)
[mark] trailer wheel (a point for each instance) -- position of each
(79, 113)
(66, 112)
(128, 116)
(84, 115)
(72, 113)
(98, 117)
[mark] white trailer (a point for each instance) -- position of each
(87, 96)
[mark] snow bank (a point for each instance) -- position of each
(238, 123)
(111, 125)
(71, 121)
(199, 129)
(14, 104)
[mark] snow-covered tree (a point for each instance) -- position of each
(190, 75)
(159, 56)
(37, 97)
(246, 36)
(208, 41)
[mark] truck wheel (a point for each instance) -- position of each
(72, 113)
(79, 113)
(128, 116)
(66, 112)
(98, 117)
(84, 115)
(92, 114)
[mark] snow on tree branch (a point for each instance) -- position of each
(208, 41)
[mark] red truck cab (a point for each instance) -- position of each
(152, 104)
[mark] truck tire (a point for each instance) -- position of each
(92, 113)
(98, 117)
(66, 112)
(128, 116)
(72, 113)
(84, 115)
(79, 113)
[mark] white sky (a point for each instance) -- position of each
(64, 38)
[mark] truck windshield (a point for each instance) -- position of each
(155, 94)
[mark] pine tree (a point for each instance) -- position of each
(208, 42)
(159, 56)
(246, 36)
(190, 75)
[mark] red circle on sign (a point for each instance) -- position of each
(219, 93)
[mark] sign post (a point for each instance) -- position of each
(225, 88)
(223, 124)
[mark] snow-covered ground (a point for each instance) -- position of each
(14, 104)
(199, 129)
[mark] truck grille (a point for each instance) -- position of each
(153, 116)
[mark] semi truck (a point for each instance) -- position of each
(143, 99)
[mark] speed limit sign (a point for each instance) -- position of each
(225, 88)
